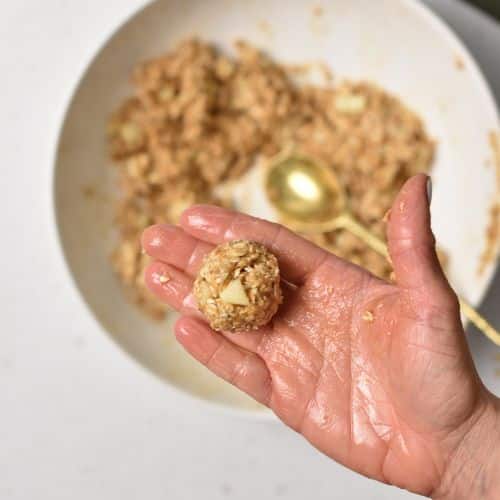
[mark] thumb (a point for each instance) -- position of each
(411, 242)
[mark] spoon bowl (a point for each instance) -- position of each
(304, 190)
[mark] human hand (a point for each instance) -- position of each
(377, 376)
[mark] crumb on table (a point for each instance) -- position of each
(318, 10)
(459, 62)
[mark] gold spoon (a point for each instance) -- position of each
(310, 198)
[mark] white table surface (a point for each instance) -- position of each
(78, 418)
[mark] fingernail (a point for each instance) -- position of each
(429, 190)
(181, 331)
(211, 220)
(158, 236)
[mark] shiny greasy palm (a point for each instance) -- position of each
(375, 375)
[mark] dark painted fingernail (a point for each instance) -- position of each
(429, 190)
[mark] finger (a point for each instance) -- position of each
(173, 245)
(412, 244)
(242, 368)
(297, 257)
(174, 287)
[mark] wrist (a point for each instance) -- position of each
(473, 471)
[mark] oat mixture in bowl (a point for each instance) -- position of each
(101, 209)
(200, 118)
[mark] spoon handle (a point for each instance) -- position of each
(479, 322)
(346, 221)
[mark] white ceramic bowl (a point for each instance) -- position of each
(396, 43)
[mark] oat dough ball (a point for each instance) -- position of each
(238, 286)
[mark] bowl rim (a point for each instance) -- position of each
(433, 20)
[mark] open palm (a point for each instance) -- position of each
(375, 375)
